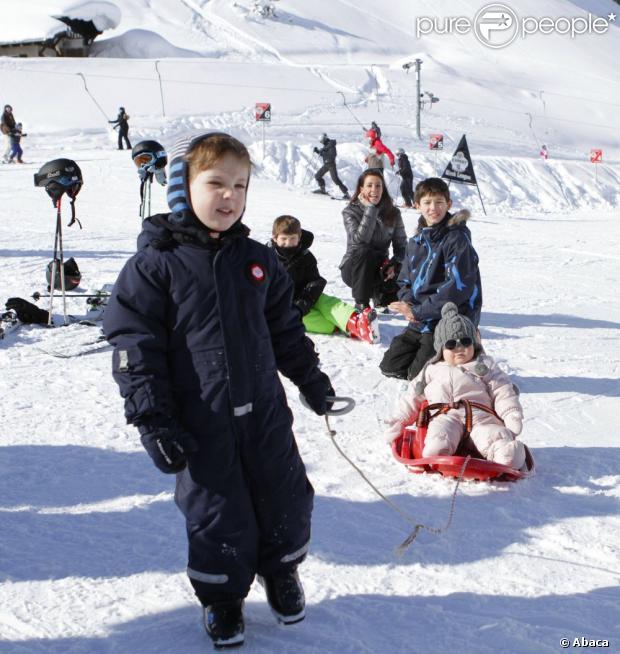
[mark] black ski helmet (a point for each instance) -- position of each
(73, 275)
(149, 154)
(60, 176)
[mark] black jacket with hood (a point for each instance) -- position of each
(303, 268)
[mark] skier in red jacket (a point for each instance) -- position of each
(380, 148)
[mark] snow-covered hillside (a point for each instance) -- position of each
(92, 550)
(319, 76)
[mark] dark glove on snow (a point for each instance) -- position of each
(316, 150)
(27, 312)
(168, 446)
(316, 393)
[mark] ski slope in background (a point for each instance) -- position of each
(92, 549)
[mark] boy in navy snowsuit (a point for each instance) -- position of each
(440, 266)
(202, 320)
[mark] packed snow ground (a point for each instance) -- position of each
(92, 548)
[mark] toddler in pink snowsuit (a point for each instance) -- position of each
(461, 371)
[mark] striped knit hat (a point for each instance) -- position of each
(178, 176)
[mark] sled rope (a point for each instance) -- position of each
(417, 527)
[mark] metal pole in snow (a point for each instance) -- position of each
(481, 202)
(161, 90)
(418, 102)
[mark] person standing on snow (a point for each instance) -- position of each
(16, 149)
(123, 128)
(406, 178)
(7, 125)
(328, 154)
(378, 147)
(202, 323)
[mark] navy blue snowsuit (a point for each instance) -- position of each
(200, 328)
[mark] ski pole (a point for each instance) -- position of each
(37, 296)
(54, 262)
(63, 287)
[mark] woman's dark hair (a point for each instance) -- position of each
(387, 210)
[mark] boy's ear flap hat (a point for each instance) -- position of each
(178, 195)
(452, 326)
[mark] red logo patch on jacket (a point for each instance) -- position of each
(256, 273)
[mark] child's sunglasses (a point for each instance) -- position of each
(453, 342)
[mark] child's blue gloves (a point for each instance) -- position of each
(168, 445)
(317, 392)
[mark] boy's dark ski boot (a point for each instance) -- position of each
(224, 623)
(285, 595)
(321, 191)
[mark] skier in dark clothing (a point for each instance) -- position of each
(406, 177)
(123, 128)
(202, 321)
(328, 154)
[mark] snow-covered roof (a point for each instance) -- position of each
(35, 19)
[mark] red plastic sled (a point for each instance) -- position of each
(407, 449)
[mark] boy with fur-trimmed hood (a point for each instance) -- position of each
(440, 266)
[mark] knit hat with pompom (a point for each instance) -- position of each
(453, 326)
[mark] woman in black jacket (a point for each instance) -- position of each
(372, 223)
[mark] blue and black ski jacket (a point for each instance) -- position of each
(441, 266)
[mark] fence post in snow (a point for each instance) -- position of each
(161, 90)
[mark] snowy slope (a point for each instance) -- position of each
(91, 546)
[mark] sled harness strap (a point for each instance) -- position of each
(425, 416)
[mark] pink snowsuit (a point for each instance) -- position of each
(486, 385)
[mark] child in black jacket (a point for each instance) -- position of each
(321, 313)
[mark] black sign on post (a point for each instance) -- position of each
(460, 168)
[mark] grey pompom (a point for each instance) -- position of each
(481, 369)
(449, 309)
